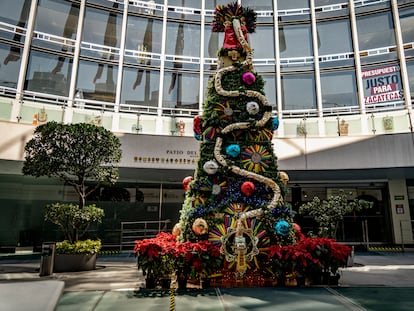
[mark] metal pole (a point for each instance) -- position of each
(366, 232)
(159, 210)
(402, 235)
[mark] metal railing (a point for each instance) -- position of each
(136, 230)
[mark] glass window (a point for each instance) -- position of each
(270, 89)
(58, 18)
(49, 19)
(407, 24)
(213, 41)
(295, 41)
(9, 71)
(328, 34)
(293, 10)
(14, 13)
(97, 81)
(338, 89)
(106, 3)
(185, 3)
(292, 4)
(319, 3)
(371, 5)
(410, 70)
(263, 42)
(381, 84)
(263, 5)
(183, 39)
(181, 90)
(103, 28)
(298, 92)
(193, 11)
(210, 5)
(140, 87)
(143, 34)
(149, 8)
(41, 78)
(375, 31)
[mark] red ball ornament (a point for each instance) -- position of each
(186, 182)
(197, 124)
(247, 188)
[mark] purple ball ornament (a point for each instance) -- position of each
(248, 78)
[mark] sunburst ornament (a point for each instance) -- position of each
(214, 186)
(225, 110)
(260, 135)
(256, 158)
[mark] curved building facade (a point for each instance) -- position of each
(334, 69)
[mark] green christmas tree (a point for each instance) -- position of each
(235, 198)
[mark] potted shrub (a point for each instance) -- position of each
(78, 256)
(328, 213)
(155, 258)
(74, 222)
(76, 154)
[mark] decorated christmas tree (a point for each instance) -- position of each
(236, 197)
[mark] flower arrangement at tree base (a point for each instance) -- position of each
(301, 264)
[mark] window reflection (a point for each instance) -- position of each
(184, 94)
(270, 89)
(102, 28)
(143, 34)
(107, 3)
(57, 17)
(338, 89)
(145, 93)
(410, 70)
(92, 89)
(328, 34)
(185, 3)
(40, 79)
(298, 92)
(211, 44)
(296, 41)
(10, 73)
(263, 42)
(183, 39)
(407, 24)
(49, 20)
(375, 31)
(263, 5)
(292, 4)
(23, 10)
(210, 5)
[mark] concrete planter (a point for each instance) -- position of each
(74, 262)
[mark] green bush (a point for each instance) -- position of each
(72, 220)
(80, 247)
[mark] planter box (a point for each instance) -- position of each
(75, 262)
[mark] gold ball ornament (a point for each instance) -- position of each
(284, 177)
(176, 230)
(200, 226)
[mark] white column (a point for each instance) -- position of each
(159, 123)
(401, 55)
(400, 212)
(17, 104)
(280, 131)
(68, 113)
(364, 120)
